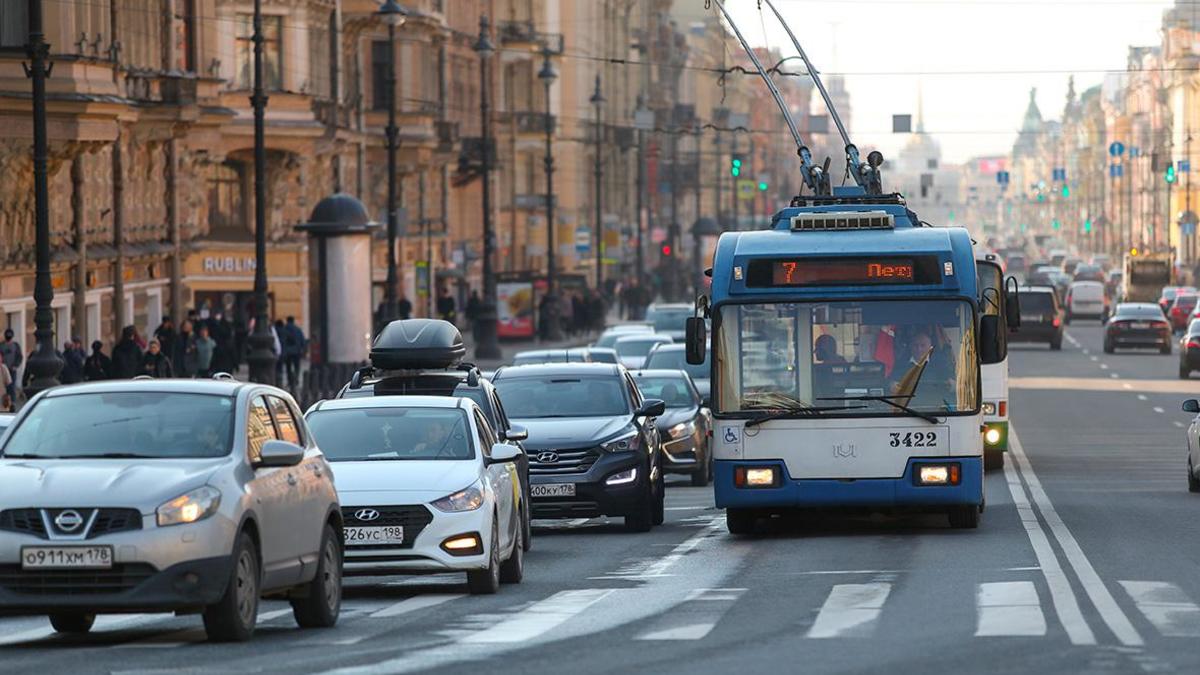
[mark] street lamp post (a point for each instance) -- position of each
(44, 364)
(643, 119)
(597, 101)
(394, 15)
(262, 355)
(486, 344)
(552, 330)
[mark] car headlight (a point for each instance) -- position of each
(989, 408)
(682, 429)
(189, 507)
(626, 441)
(466, 499)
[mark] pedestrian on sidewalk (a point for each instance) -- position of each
(73, 359)
(165, 334)
(294, 345)
(127, 356)
(10, 354)
(446, 307)
(184, 356)
(155, 363)
(98, 366)
(205, 346)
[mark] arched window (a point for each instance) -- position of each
(227, 196)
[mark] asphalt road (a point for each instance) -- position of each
(1086, 562)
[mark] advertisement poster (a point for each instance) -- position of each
(514, 309)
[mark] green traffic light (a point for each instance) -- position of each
(1055, 224)
(1087, 226)
(1170, 175)
(1066, 191)
(735, 171)
(762, 186)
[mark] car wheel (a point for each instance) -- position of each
(740, 521)
(660, 500)
(1056, 345)
(323, 600)
(643, 518)
(1067, 320)
(964, 517)
(72, 622)
(993, 459)
(232, 618)
(513, 569)
(1108, 347)
(526, 527)
(1165, 349)
(1193, 486)
(487, 581)
(1184, 372)
(700, 478)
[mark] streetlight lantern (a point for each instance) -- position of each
(394, 15)
(551, 330)
(597, 101)
(486, 343)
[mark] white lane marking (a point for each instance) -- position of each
(1009, 608)
(416, 603)
(107, 622)
(685, 508)
(850, 572)
(1103, 366)
(1165, 606)
(1066, 605)
(851, 610)
(695, 617)
(1110, 612)
(1113, 375)
(1141, 397)
(1158, 410)
(1087, 351)
(1094, 358)
(1178, 423)
(648, 569)
(541, 617)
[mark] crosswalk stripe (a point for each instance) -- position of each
(1009, 609)
(851, 610)
(540, 617)
(695, 617)
(416, 603)
(1166, 607)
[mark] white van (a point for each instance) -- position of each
(1086, 300)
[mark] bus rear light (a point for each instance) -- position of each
(938, 474)
(1004, 408)
(756, 477)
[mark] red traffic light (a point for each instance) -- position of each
(666, 250)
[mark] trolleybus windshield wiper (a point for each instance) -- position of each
(797, 411)
(890, 400)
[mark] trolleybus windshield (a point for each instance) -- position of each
(919, 353)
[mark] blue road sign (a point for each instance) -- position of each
(1185, 166)
(1002, 177)
(1135, 152)
(1116, 149)
(1115, 170)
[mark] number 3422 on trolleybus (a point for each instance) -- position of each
(847, 342)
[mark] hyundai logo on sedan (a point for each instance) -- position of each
(366, 515)
(68, 521)
(547, 457)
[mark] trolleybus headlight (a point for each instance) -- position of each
(938, 474)
(756, 477)
(991, 436)
(989, 408)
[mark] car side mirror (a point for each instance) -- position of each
(1191, 406)
(696, 340)
(503, 453)
(652, 407)
(279, 453)
(992, 345)
(515, 433)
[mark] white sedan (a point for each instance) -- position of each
(425, 486)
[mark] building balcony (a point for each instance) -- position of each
(522, 35)
(526, 123)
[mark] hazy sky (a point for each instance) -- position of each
(974, 59)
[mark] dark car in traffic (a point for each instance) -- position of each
(593, 441)
(1041, 317)
(674, 357)
(1180, 312)
(1136, 324)
(1189, 350)
(535, 356)
(424, 357)
(683, 426)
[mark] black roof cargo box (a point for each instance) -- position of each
(413, 344)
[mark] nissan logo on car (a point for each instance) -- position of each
(366, 515)
(68, 521)
(547, 457)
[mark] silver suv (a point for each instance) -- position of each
(167, 495)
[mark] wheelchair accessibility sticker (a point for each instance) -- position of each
(730, 436)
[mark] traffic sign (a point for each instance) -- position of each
(1002, 177)
(1116, 149)
(1115, 170)
(583, 240)
(746, 190)
(1185, 166)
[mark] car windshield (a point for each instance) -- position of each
(562, 396)
(669, 318)
(920, 353)
(1138, 312)
(371, 434)
(1185, 301)
(676, 359)
(673, 391)
(636, 347)
(1035, 303)
(153, 425)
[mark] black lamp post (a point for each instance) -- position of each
(643, 119)
(262, 355)
(394, 15)
(44, 364)
(552, 330)
(597, 101)
(486, 344)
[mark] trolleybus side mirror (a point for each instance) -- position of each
(991, 341)
(696, 340)
(1012, 304)
(1191, 406)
